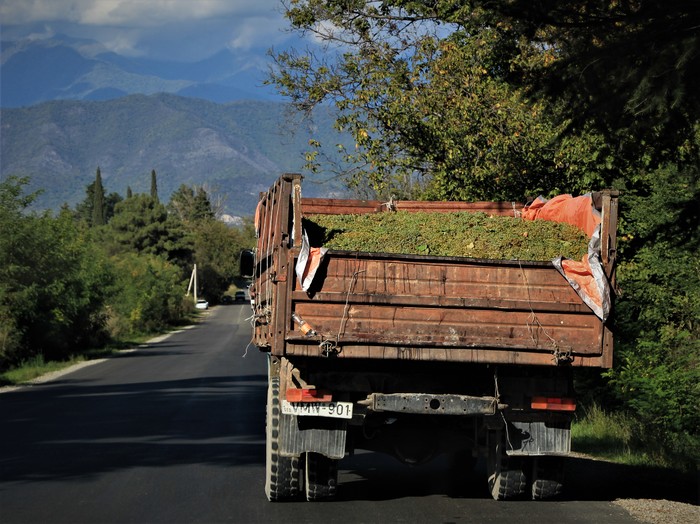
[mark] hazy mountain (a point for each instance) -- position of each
(237, 148)
(64, 68)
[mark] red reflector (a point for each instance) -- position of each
(553, 403)
(308, 395)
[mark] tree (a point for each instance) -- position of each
(217, 247)
(149, 294)
(98, 211)
(629, 67)
(142, 225)
(217, 250)
(154, 186)
(53, 282)
(432, 95)
(85, 210)
(191, 204)
(657, 371)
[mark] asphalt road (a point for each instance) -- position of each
(174, 432)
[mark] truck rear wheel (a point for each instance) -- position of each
(321, 477)
(282, 475)
(506, 476)
(547, 477)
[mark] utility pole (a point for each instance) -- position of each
(193, 280)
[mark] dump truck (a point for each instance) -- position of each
(416, 355)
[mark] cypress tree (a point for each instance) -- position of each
(129, 194)
(154, 186)
(98, 207)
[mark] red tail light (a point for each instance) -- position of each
(308, 395)
(553, 403)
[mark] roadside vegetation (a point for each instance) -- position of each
(84, 282)
(619, 437)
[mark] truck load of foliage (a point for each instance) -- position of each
(458, 234)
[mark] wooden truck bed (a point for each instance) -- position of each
(419, 307)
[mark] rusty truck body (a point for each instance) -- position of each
(417, 355)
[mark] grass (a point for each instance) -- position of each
(37, 366)
(619, 438)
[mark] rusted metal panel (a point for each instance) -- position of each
(441, 302)
(417, 326)
(300, 347)
(331, 206)
(438, 280)
(272, 271)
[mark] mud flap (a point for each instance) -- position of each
(313, 434)
(539, 438)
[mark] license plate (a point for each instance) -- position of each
(318, 409)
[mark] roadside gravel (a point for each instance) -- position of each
(660, 511)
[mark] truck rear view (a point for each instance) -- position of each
(420, 354)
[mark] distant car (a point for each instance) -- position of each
(240, 296)
(202, 304)
(227, 299)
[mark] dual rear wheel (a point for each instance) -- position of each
(287, 477)
(516, 477)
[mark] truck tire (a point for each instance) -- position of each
(321, 477)
(282, 475)
(547, 477)
(506, 477)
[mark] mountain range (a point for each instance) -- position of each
(67, 68)
(237, 149)
(68, 106)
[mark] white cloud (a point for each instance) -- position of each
(175, 29)
(129, 12)
(255, 31)
(46, 32)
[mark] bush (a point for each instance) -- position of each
(148, 295)
(53, 282)
(657, 369)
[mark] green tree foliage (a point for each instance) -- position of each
(66, 286)
(84, 209)
(142, 225)
(52, 281)
(154, 185)
(217, 250)
(658, 355)
(98, 207)
(433, 94)
(148, 294)
(217, 247)
(630, 67)
(191, 204)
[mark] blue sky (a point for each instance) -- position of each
(181, 30)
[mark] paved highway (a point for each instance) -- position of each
(174, 432)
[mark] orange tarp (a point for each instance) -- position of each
(586, 276)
